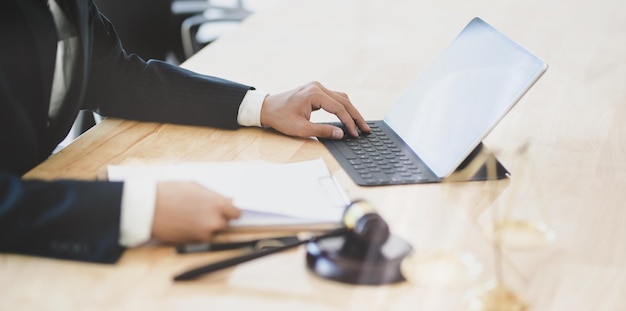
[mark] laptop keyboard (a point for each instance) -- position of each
(378, 158)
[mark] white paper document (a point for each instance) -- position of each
(269, 194)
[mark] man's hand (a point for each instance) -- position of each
(290, 112)
(188, 212)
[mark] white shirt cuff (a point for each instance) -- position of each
(250, 108)
(138, 204)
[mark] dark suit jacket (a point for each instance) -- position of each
(78, 219)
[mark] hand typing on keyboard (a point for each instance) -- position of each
(290, 112)
(377, 157)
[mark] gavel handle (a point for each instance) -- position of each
(202, 270)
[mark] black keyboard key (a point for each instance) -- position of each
(378, 158)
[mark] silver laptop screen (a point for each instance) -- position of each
(461, 96)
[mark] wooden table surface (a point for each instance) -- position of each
(564, 143)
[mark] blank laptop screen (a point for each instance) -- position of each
(462, 95)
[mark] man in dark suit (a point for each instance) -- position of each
(58, 57)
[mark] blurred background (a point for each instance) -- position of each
(174, 30)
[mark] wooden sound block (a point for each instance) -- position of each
(339, 259)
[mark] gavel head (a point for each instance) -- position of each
(364, 252)
(365, 226)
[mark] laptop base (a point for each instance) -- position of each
(474, 168)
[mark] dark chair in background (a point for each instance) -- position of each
(171, 30)
(144, 26)
(201, 29)
(217, 18)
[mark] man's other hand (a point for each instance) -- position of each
(188, 212)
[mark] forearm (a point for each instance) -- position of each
(168, 94)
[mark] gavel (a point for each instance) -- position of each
(363, 231)
(364, 226)
(366, 254)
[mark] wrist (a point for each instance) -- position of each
(250, 110)
(137, 212)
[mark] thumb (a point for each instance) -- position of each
(325, 131)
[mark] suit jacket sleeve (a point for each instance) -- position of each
(125, 86)
(60, 219)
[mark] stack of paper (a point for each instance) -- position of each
(269, 194)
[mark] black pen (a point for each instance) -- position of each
(194, 273)
(257, 244)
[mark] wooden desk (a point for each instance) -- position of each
(572, 176)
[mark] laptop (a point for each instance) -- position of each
(445, 114)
